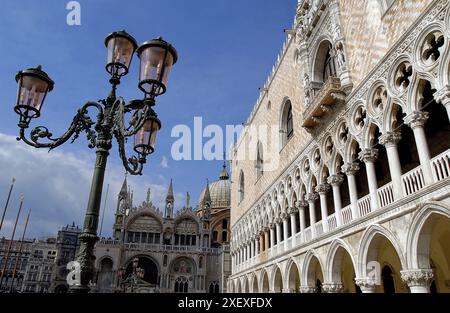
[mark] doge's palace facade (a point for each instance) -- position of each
(359, 199)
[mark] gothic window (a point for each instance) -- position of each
(224, 235)
(241, 187)
(259, 161)
(181, 285)
(287, 123)
(215, 235)
(165, 260)
(200, 262)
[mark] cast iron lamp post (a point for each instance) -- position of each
(156, 60)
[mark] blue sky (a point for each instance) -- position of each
(226, 50)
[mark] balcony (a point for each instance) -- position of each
(157, 247)
(413, 187)
(324, 97)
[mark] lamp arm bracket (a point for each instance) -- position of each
(137, 121)
(81, 122)
(133, 164)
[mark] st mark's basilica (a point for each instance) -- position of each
(155, 251)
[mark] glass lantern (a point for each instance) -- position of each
(145, 138)
(157, 58)
(33, 86)
(121, 47)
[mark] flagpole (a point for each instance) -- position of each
(104, 209)
(7, 202)
(20, 251)
(10, 242)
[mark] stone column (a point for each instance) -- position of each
(278, 225)
(332, 287)
(418, 280)
(335, 181)
(252, 248)
(256, 244)
(266, 238)
(272, 234)
(416, 120)
(390, 141)
(262, 244)
(350, 169)
(369, 156)
(292, 213)
(301, 206)
(366, 285)
(311, 198)
(322, 190)
(285, 217)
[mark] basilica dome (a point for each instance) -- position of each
(219, 191)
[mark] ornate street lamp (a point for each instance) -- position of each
(156, 59)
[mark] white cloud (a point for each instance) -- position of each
(164, 162)
(56, 186)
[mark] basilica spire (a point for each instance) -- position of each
(124, 191)
(207, 196)
(169, 201)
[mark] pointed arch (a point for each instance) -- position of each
(419, 233)
(334, 260)
(308, 273)
(365, 256)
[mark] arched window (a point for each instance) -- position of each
(241, 187)
(324, 63)
(287, 123)
(259, 161)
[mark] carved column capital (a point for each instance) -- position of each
(322, 188)
(272, 225)
(335, 180)
(311, 197)
(417, 277)
(390, 138)
(350, 168)
(301, 204)
(443, 95)
(367, 285)
(333, 287)
(266, 229)
(307, 289)
(278, 220)
(417, 119)
(292, 210)
(284, 216)
(368, 155)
